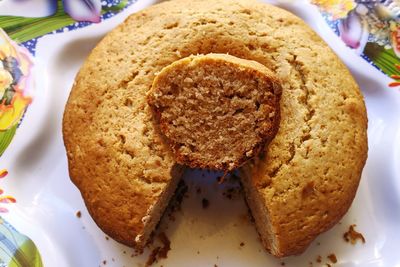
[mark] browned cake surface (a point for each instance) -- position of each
(216, 110)
(309, 174)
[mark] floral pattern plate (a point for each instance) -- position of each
(43, 217)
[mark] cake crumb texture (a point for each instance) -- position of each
(216, 110)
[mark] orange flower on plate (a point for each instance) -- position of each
(5, 199)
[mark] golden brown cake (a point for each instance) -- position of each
(303, 183)
(216, 110)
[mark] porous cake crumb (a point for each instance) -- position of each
(216, 110)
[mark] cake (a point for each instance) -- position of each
(303, 182)
(216, 110)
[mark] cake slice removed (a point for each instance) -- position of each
(216, 110)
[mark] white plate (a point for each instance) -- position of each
(47, 201)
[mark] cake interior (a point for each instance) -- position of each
(216, 113)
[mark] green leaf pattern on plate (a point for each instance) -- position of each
(16, 249)
(6, 137)
(22, 29)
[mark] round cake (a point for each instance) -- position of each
(216, 110)
(301, 185)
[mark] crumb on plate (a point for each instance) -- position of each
(351, 236)
(332, 258)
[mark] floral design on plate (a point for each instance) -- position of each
(84, 10)
(15, 87)
(54, 17)
(17, 249)
(370, 28)
(25, 22)
(4, 199)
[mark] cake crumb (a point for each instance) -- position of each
(166, 245)
(233, 193)
(241, 244)
(104, 262)
(352, 235)
(137, 252)
(215, 265)
(106, 237)
(152, 257)
(78, 214)
(283, 263)
(319, 259)
(332, 258)
(205, 203)
(159, 252)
